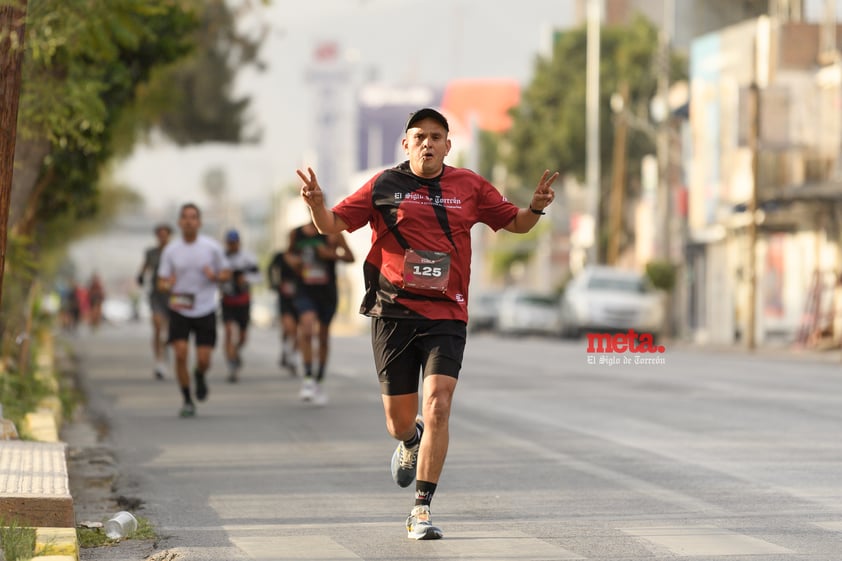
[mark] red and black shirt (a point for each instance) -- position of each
(410, 214)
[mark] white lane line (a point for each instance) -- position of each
(693, 541)
(508, 545)
(294, 548)
(505, 545)
(623, 480)
(830, 525)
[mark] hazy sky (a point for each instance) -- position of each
(395, 41)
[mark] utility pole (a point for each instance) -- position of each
(592, 122)
(618, 172)
(760, 80)
(12, 31)
(663, 141)
(753, 142)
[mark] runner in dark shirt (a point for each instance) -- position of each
(284, 280)
(236, 301)
(157, 298)
(314, 256)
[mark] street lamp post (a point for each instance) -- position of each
(754, 138)
(618, 171)
(659, 109)
(592, 119)
(760, 81)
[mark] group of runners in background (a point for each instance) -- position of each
(193, 275)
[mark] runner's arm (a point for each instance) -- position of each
(526, 218)
(343, 250)
(325, 220)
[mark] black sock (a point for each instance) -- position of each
(308, 370)
(320, 373)
(186, 393)
(424, 491)
(416, 438)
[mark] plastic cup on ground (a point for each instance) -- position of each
(120, 525)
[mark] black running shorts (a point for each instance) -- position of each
(204, 329)
(286, 306)
(241, 315)
(320, 300)
(403, 348)
(159, 302)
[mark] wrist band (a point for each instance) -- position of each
(533, 211)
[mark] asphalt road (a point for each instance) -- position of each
(709, 455)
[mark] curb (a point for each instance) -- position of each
(43, 425)
(60, 544)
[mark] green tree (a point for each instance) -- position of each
(96, 74)
(200, 106)
(549, 127)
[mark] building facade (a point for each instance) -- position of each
(772, 270)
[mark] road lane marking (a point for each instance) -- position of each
(293, 548)
(704, 541)
(831, 525)
(479, 545)
(503, 545)
(623, 480)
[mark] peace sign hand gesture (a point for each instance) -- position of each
(544, 193)
(311, 192)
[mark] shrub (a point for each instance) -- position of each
(662, 274)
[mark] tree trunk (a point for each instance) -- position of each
(13, 19)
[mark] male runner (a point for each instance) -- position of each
(314, 256)
(158, 300)
(236, 301)
(417, 275)
(191, 269)
(284, 280)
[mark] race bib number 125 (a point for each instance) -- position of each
(428, 270)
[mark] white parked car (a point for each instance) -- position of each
(608, 299)
(524, 312)
(483, 310)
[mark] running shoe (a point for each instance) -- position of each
(319, 395)
(290, 363)
(405, 460)
(187, 410)
(420, 527)
(201, 386)
(160, 370)
(308, 389)
(233, 369)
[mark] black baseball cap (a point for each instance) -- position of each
(426, 113)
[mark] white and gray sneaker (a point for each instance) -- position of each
(319, 395)
(405, 460)
(420, 527)
(308, 389)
